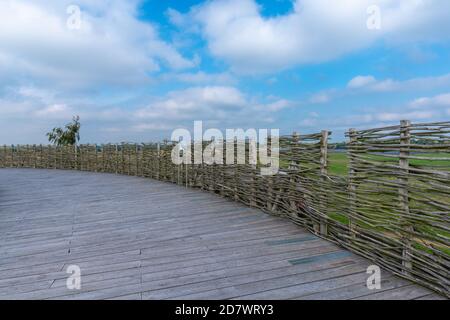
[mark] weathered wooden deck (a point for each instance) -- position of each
(136, 238)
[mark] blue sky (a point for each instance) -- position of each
(137, 70)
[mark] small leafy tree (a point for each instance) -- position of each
(68, 136)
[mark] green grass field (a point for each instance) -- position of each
(338, 162)
(338, 165)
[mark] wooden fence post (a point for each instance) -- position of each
(47, 158)
(129, 151)
(55, 157)
(3, 157)
(96, 158)
(178, 167)
(253, 160)
(294, 167)
(116, 157)
(40, 160)
(269, 204)
(75, 156)
(136, 150)
(188, 162)
(158, 161)
(213, 167)
(405, 140)
(104, 166)
(27, 157)
(88, 157)
(351, 180)
(236, 169)
(323, 176)
(122, 158)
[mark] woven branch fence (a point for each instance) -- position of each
(392, 207)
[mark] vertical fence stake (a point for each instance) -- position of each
(116, 156)
(129, 152)
(136, 150)
(41, 157)
(405, 140)
(96, 158)
(55, 157)
(75, 156)
(351, 180)
(188, 163)
(3, 158)
(236, 169)
(178, 169)
(270, 177)
(158, 153)
(253, 160)
(323, 176)
(293, 168)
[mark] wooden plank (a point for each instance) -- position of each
(354, 290)
(406, 292)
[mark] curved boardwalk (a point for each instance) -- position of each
(136, 238)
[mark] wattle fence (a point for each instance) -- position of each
(392, 207)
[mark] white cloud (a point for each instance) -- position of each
(320, 98)
(207, 102)
(223, 104)
(111, 47)
(369, 83)
(309, 122)
(361, 81)
(201, 78)
(375, 117)
(442, 100)
(278, 105)
(314, 31)
(38, 110)
(58, 111)
(142, 127)
(397, 116)
(35, 93)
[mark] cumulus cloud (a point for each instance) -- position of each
(211, 101)
(320, 98)
(383, 116)
(397, 116)
(111, 46)
(313, 31)
(218, 106)
(370, 83)
(59, 111)
(223, 104)
(201, 78)
(442, 100)
(367, 84)
(361, 81)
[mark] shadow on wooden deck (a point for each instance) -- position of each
(136, 238)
